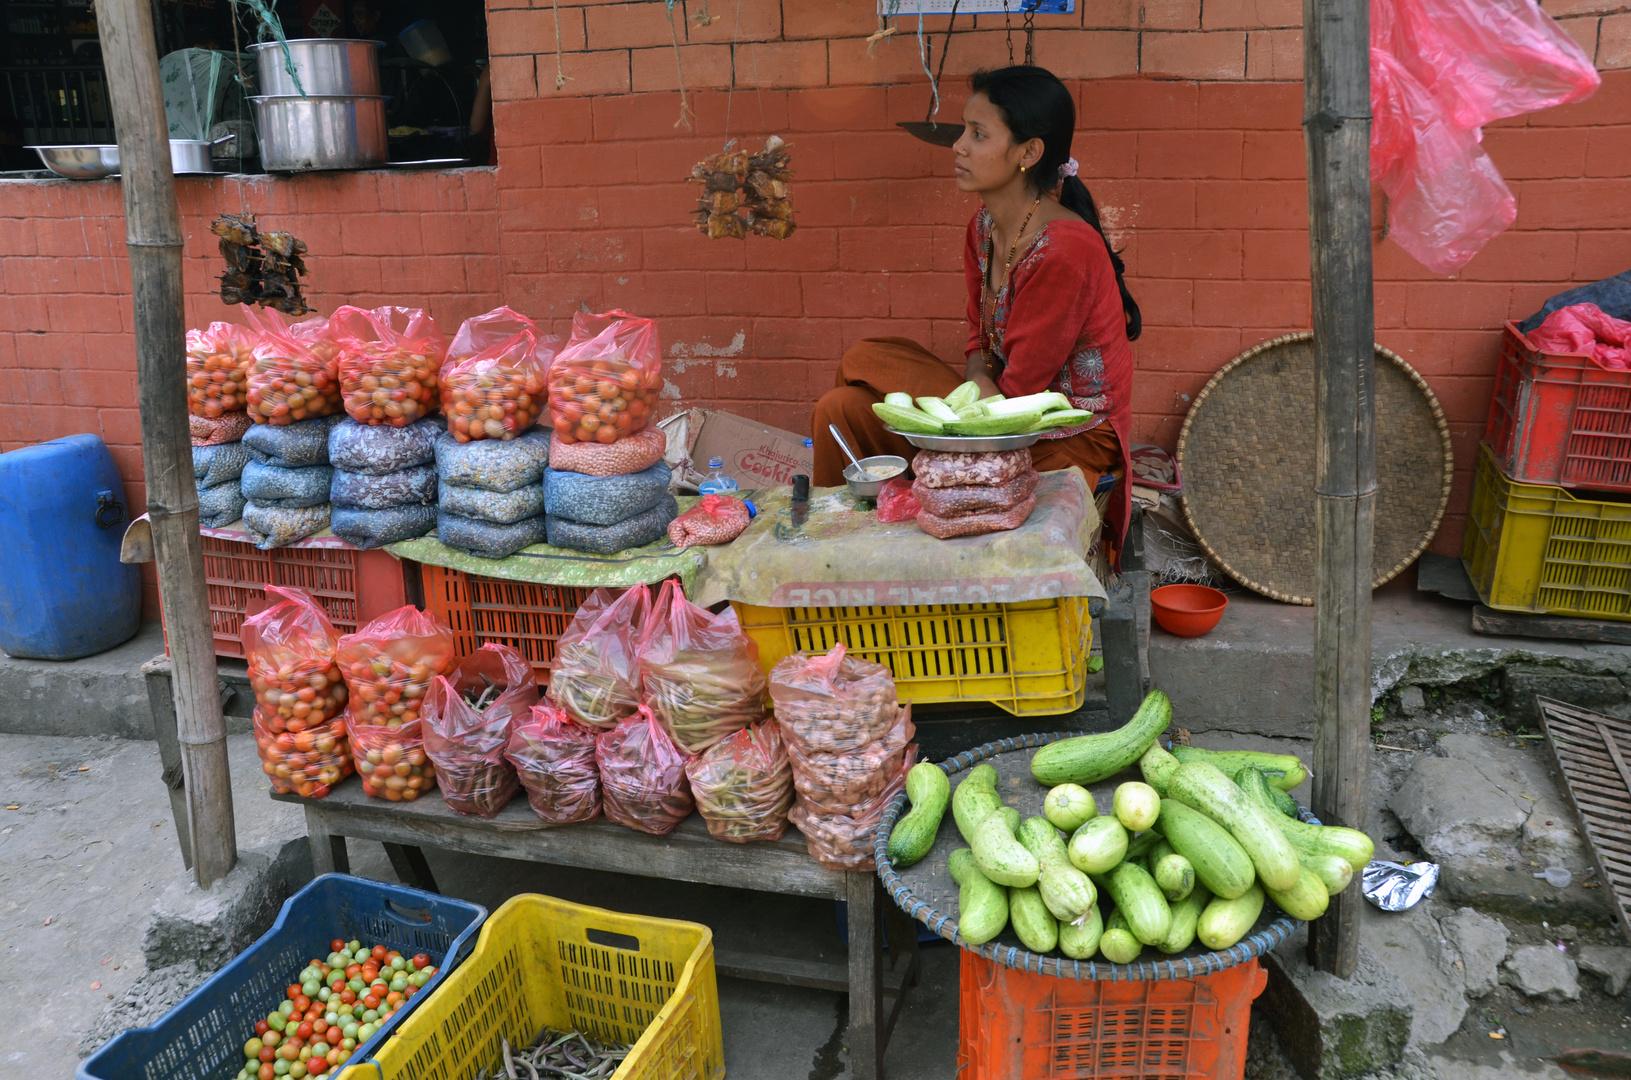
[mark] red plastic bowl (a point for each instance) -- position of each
(1187, 610)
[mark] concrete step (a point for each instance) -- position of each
(98, 695)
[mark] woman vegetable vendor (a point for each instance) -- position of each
(1048, 308)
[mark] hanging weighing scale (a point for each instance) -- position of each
(939, 133)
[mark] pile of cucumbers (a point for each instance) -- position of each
(964, 412)
(1190, 853)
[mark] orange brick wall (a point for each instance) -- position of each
(1189, 137)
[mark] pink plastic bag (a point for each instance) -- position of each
(1585, 329)
(1440, 69)
(744, 785)
(947, 528)
(896, 501)
(832, 703)
(467, 746)
(836, 783)
(716, 519)
(642, 776)
(595, 676)
(628, 455)
(555, 760)
(699, 673)
(950, 502)
(218, 360)
(296, 375)
(388, 376)
(846, 841)
(603, 386)
(516, 384)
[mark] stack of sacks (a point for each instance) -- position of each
(384, 486)
(973, 494)
(491, 459)
(491, 503)
(287, 480)
(218, 362)
(607, 487)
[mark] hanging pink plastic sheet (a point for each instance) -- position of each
(1440, 70)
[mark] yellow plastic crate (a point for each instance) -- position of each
(542, 962)
(1029, 659)
(1536, 548)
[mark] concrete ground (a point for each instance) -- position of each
(91, 846)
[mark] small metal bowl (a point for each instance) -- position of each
(863, 488)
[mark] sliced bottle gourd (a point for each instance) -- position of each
(913, 835)
(1080, 940)
(975, 797)
(1035, 925)
(966, 394)
(1118, 944)
(899, 399)
(937, 409)
(905, 418)
(1059, 418)
(1186, 916)
(1000, 856)
(982, 904)
(1066, 891)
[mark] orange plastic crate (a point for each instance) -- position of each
(528, 618)
(1015, 1025)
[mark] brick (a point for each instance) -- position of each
(1275, 55)
(1168, 15)
(74, 312)
(838, 108)
(781, 63)
(1614, 42)
(1136, 104)
(1194, 55)
(551, 208)
(805, 250)
(925, 295)
(1531, 153)
(1608, 152)
(532, 30)
(729, 114)
(687, 249)
(875, 155)
(546, 296)
(631, 117)
(17, 237)
(1174, 391)
(1457, 304)
(1611, 104)
(515, 78)
(753, 21)
(581, 252)
(762, 294)
(1167, 301)
(1558, 9)
(1276, 255)
(839, 19)
(647, 291)
(1603, 253)
(1251, 14)
(1583, 204)
(1586, 32)
(380, 234)
(1249, 303)
(588, 74)
(670, 160)
(846, 202)
(1071, 54)
(1210, 155)
(898, 248)
(632, 26)
(1546, 256)
(1251, 204)
(789, 416)
(548, 120)
(1153, 204)
(481, 273)
(800, 338)
(1187, 254)
(637, 207)
(928, 202)
(1250, 106)
(703, 66)
(756, 379)
(1183, 350)
(845, 295)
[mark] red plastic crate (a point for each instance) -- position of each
(528, 618)
(1015, 1025)
(352, 586)
(1559, 418)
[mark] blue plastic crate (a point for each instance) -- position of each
(202, 1038)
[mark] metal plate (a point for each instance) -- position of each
(1592, 753)
(429, 163)
(967, 444)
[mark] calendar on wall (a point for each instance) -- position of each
(977, 7)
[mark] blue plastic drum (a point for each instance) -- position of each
(63, 591)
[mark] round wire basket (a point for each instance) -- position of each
(925, 891)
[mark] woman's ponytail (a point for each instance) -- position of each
(1074, 196)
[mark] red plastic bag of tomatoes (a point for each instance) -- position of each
(497, 393)
(604, 384)
(388, 666)
(555, 759)
(298, 692)
(466, 723)
(642, 776)
(295, 375)
(218, 360)
(595, 676)
(388, 376)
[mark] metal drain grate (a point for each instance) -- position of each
(1593, 752)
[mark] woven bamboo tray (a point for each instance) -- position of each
(927, 893)
(1247, 455)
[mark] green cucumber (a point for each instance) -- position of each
(1139, 899)
(1136, 805)
(1284, 770)
(1065, 889)
(913, 835)
(903, 419)
(1035, 925)
(1203, 786)
(1349, 844)
(1087, 759)
(1220, 863)
(986, 424)
(966, 394)
(937, 409)
(975, 797)
(1334, 871)
(1141, 845)
(1186, 916)
(1118, 944)
(982, 905)
(999, 856)
(1306, 900)
(1158, 765)
(899, 399)
(1080, 941)
(1098, 845)
(1174, 874)
(1069, 806)
(1225, 922)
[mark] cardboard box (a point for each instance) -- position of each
(755, 455)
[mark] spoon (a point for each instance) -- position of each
(844, 446)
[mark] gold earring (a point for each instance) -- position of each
(1022, 168)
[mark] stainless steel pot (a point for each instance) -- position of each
(302, 134)
(328, 67)
(190, 156)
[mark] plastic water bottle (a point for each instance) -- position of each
(717, 482)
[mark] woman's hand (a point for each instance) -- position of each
(981, 372)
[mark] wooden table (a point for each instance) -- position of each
(688, 853)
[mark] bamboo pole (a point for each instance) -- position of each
(1336, 110)
(154, 240)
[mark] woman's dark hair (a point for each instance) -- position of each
(1035, 105)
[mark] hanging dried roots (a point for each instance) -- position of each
(262, 267)
(743, 192)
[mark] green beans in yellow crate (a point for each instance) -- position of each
(664, 1002)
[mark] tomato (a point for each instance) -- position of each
(293, 991)
(266, 1072)
(262, 1027)
(420, 960)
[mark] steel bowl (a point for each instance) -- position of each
(305, 134)
(967, 444)
(328, 67)
(96, 162)
(863, 488)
